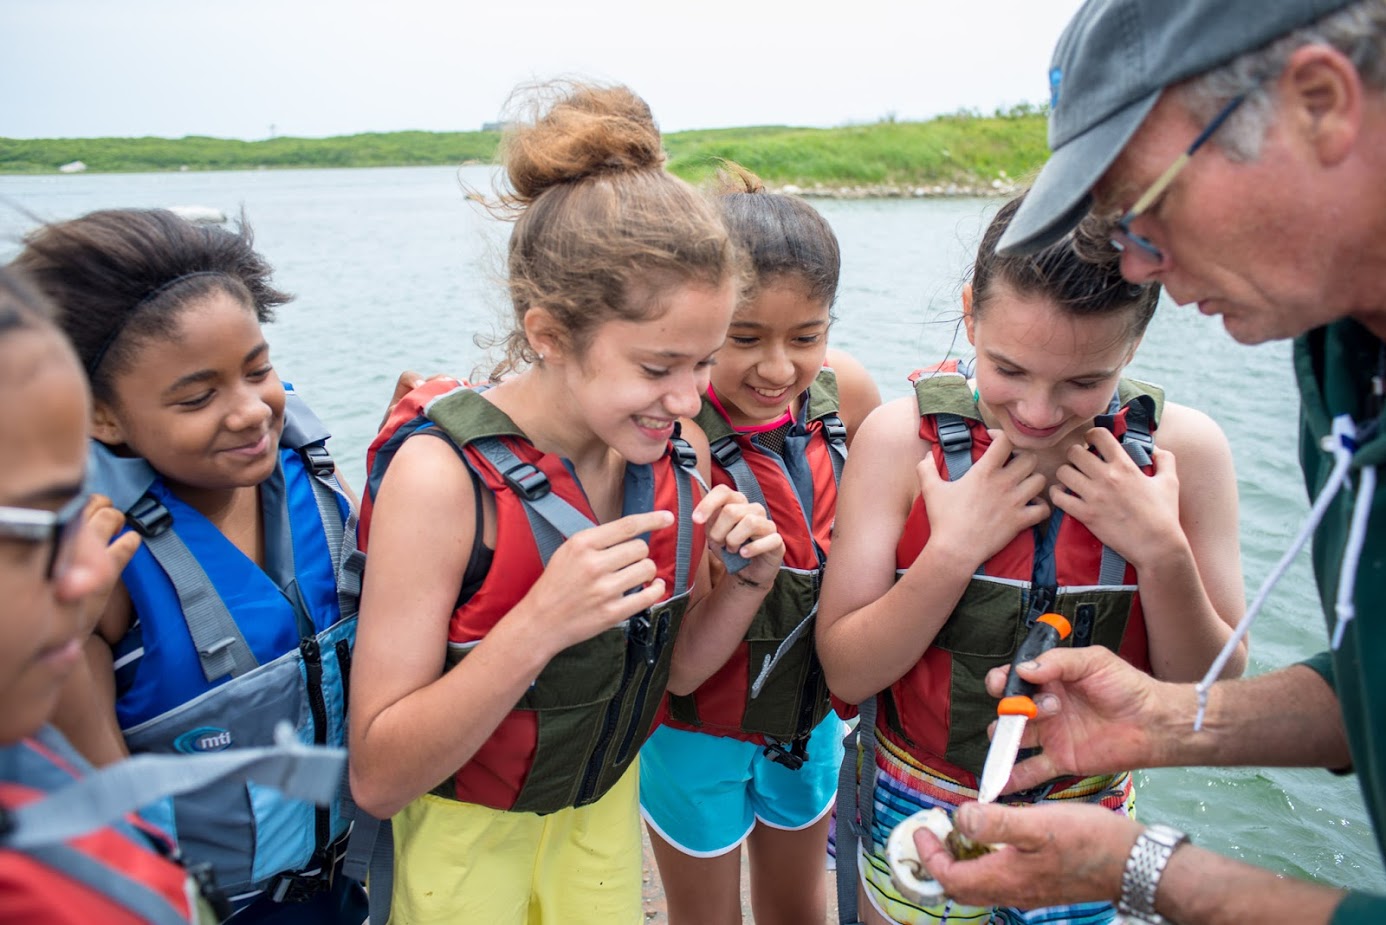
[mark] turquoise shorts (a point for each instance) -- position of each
(703, 794)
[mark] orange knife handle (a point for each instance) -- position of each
(1045, 634)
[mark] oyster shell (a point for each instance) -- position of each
(906, 870)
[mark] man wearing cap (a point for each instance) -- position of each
(1239, 147)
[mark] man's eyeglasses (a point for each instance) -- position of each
(1122, 235)
(60, 528)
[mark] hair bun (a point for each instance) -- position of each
(732, 178)
(570, 131)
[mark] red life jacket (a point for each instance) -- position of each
(123, 874)
(579, 726)
(771, 691)
(939, 710)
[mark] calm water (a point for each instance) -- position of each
(395, 269)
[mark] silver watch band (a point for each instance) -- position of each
(1141, 877)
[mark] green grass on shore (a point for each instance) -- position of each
(965, 149)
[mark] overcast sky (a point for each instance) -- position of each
(252, 68)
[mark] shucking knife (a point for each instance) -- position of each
(1017, 705)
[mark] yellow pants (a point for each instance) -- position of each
(463, 863)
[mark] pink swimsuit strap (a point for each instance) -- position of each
(780, 421)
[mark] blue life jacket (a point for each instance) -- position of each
(222, 650)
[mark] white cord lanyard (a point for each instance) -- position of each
(1342, 443)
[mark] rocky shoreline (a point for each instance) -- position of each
(1001, 186)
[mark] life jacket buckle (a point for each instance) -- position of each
(301, 887)
(793, 759)
(318, 458)
(647, 631)
(725, 452)
(527, 479)
(205, 879)
(684, 454)
(954, 436)
(148, 517)
(835, 430)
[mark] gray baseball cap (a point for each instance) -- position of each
(1108, 70)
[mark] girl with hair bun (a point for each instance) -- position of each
(537, 578)
(752, 755)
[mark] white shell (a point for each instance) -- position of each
(906, 871)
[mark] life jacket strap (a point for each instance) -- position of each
(856, 807)
(955, 439)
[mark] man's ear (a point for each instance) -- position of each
(1321, 101)
(105, 424)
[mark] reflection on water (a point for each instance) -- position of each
(394, 268)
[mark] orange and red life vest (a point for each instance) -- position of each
(939, 710)
(579, 726)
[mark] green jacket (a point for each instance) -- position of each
(1334, 365)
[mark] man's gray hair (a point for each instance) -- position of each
(1358, 31)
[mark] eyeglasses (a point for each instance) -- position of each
(60, 528)
(1122, 235)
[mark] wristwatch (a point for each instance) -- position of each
(1141, 878)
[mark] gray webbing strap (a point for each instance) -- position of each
(955, 437)
(126, 891)
(553, 519)
(299, 771)
(836, 433)
(740, 471)
(855, 798)
(727, 454)
(348, 562)
(370, 859)
(683, 556)
(221, 648)
(772, 660)
(1113, 571)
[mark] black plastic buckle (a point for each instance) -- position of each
(646, 632)
(528, 480)
(205, 879)
(835, 430)
(725, 452)
(319, 460)
(301, 887)
(793, 759)
(148, 517)
(684, 455)
(954, 436)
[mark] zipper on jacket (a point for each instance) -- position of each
(659, 636)
(343, 648)
(317, 705)
(613, 716)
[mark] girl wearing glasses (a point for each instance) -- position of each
(226, 476)
(1037, 478)
(55, 565)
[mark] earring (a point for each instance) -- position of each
(541, 358)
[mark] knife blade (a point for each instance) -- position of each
(1017, 705)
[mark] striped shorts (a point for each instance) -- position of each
(904, 787)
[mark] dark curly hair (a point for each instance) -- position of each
(119, 277)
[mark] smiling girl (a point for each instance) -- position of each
(1040, 479)
(228, 620)
(537, 578)
(752, 755)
